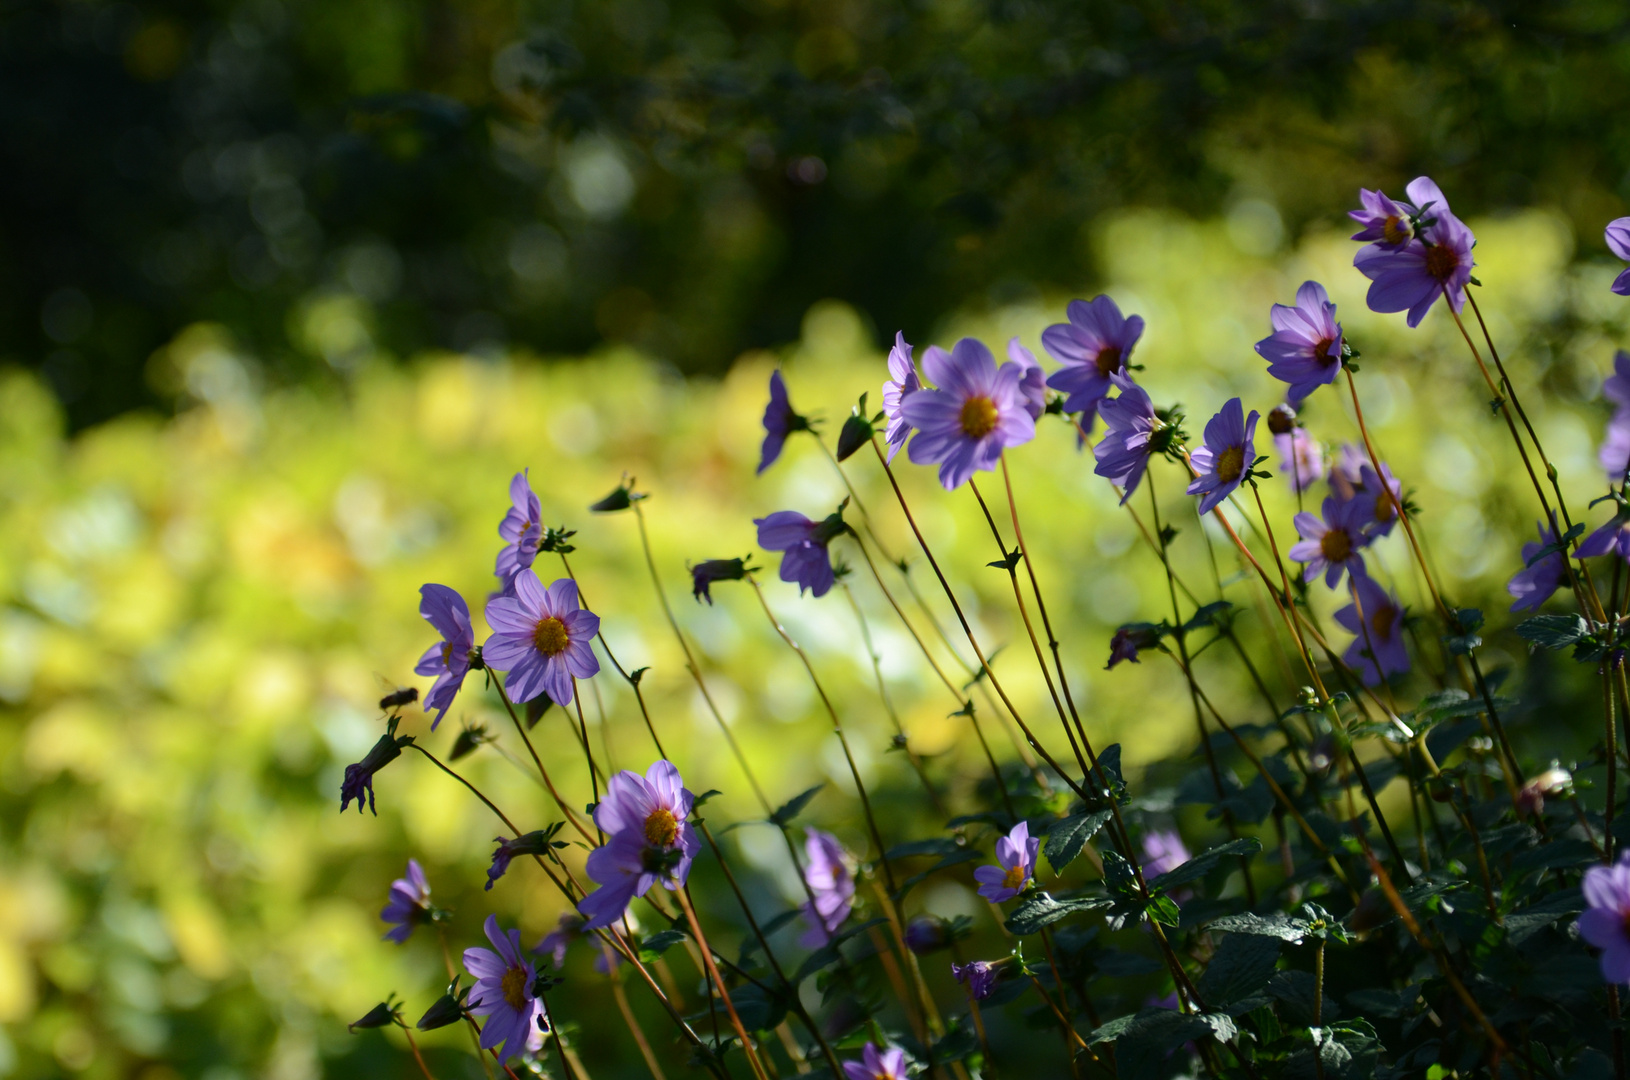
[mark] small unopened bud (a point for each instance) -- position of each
(621, 498)
(926, 934)
(469, 740)
(448, 1009)
(856, 432)
(1282, 420)
(379, 1016)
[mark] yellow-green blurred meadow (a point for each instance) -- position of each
(200, 614)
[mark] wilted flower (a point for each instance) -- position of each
(877, 1065)
(806, 560)
(1332, 545)
(1033, 381)
(1123, 452)
(1017, 854)
(1301, 458)
(1384, 221)
(1376, 619)
(979, 975)
(1129, 640)
(1617, 236)
(541, 639)
(503, 993)
(1228, 453)
(905, 382)
(1094, 346)
(1607, 924)
(779, 422)
(358, 783)
(927, 933)
(1533, 585)
(409, 903)
(1163, 851)
(1304, 349)
(704, 574)
(828, 876)
(532, 843)
(449, 662)
(1438, 262)
(974, 412)
(521, 530)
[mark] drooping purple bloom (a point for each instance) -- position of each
(568, 930)
(779, 422)
(503, 994)
(1163, 851)
(1376, 619)
(1606, 924)
(1331, 545)
(829, 878)
(532, 843)
(1617, 236)
(705, 573)
(626, 866)
(1384, 221)
(1615, 452)
(1533, 585)
(1301, 459)
(1017, 854)
(541, 639)
(1304, 349)
(449, 661)
(1123, 452)
(358, 782)
(657, 806)
(1131, 639)
(927, 933)
(1611, 539)
(1033, 381)
(877, 1064)
(806, 559)
(979, 976)
(1228, 453)
(1438, 262)
(904, 382)
(521, 530)
(974, 413)
(1094, 346)
(409, 903)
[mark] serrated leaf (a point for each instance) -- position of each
(794, 806)
(1241, 966)
(1283, 927)
(1203, 863)
(659, 943)
(1042, 910)
(1552, 631)
(1067, 838)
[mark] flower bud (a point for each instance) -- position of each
(379, 1016)
(926, 933)
(856, 432)
(1282, 420)
(448, 1009)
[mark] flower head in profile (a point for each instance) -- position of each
(1331, 545)
(805, 559)
(1539, 578)
(448, 661)
(358, 782)
(1376, 620)
(903, 382)
(1032, 379)
(1163, 851)
(1226, 457)
(1385, 222)
(521, 530)
(409, 903)
(979, 976)
(1617, 236)
(568, 930)
(1301, 459)
(1437, 262)
(1611, 539)
(1606, 924)
(1123, 453)
(875, 1064)
(975, 411)
(779, 422)
(1094, 346)
(1131, 639)
(532, 843)
(1016, 852)
(831, 881)
(1386, 498)
(704, 574)
(541, 639)
(503, 993)
(1305, 347)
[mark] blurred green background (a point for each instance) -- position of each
(291, 290)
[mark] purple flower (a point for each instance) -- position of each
(655, 806)
(627, 866)
(1123, 452)
(358, 783)
(1606, 924)
(1033, 381)
(1017, 853)
(704, 574)
(806, 560)
(1129, 640)
(1377, 620)
(1163, 851)
(1615, 453)
(1304, 349)
(779, 422)
(568, 930)
(1228, 453)
(976, 412)
(409, 903)
(980, 975)
(1617, 236)
(1437, 262)
(1332, 545)
(904, 383)
(1534, 584)
(1384, 221)
(1612, 538)
(1347, 471)
(1093, 346)
(829, 879)
(541, 639)
(521, 529)
(449, 662)
(503, 993)
(1301, 458)
(927, 933)
(877, 1065)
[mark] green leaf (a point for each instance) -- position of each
(1042, 910)
(1241, 966)
(1553, 631)
(1007, 563)
(1143, 1048)
(938, 846)
(1163, 910)
(794, 806)
(659, 943)
(1067, 838)
(1278, 926)
(705, 797)
(1205, 862)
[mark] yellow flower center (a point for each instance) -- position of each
(978, 417)
(1336, 545)
(1441, 262)
(1014, 878)
(446, 652)
(1108, 360)
(1386, 507)
(514, 986)
(550, 636)
(1396, 230)
(661, 827)
(1230, 463)
(1381, 621)
(1321, 352)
